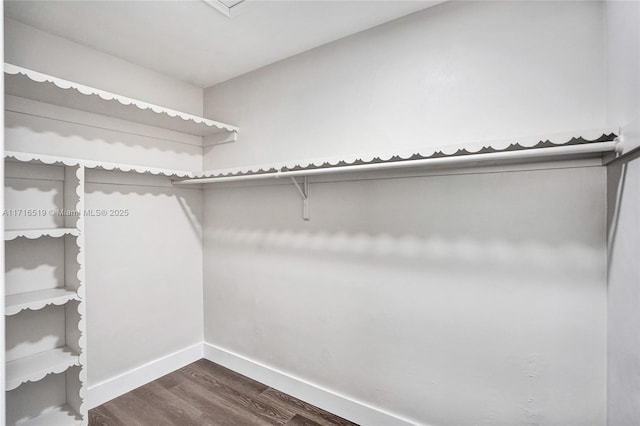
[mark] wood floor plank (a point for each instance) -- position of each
(319, 415)
(216, 410)
(175, 410)
(170, 380)
(133, 411)
(229, 377)
(263, 410)
(206, 394)
(299, 420)
(102, 416)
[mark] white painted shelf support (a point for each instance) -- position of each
(304, 192)
(220, 138)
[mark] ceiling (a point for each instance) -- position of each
(193, 42)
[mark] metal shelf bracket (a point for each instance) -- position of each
(303, 189)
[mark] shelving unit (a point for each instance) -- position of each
(45, 310)
(46, 379)
(46, 400)
(35, 300)
(36, 367)
(62, 415)
(47, 386)
(41, 87)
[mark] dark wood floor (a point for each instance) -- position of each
(204, 393)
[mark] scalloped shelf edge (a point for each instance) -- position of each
(37, 300)
(36, 367)
(302, 165)
(32, 234)
(92, 164)
(427, 153)
(63, 84)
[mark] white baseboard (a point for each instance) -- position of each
(107, 390)
(341, 405)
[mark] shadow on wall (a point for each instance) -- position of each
(422, 295)
(44, 328)
(407, 250)
(415, 325)
(37, 134)
(136, 208)
(30, 264)
(550, 207)
(146, 258)
(534, 222)
(617, 176)
(32, 399)
(34, 194)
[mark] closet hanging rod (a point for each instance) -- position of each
(532, 153)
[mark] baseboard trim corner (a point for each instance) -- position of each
(106, 390)
(341, 405)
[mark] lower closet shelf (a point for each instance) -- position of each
(59, 416)
(37, 233)
(35, 300)
(36, 367)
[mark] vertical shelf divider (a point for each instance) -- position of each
(36, 398)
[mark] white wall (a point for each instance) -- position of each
(623, 384)
(457, 72)
(31, 48)
(470, 299)
(144, 272)
(36, 127)
(465, 299)
(420, 295)
(622, 34)
(623, 111)
(2, 228)
(29, 127)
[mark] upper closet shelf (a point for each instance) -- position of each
(29, 157)
(432, 158)
(41, 87)
(591, 144)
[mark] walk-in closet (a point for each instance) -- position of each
(309, 212)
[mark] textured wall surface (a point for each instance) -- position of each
(455, 73)
(422, 295)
